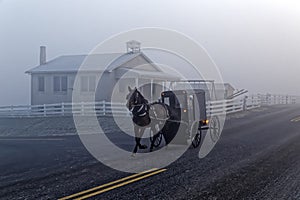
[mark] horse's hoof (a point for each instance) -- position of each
(151, 150)
(133, 155)
(143, 147)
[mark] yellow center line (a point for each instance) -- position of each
(120, 185)
(107, 184)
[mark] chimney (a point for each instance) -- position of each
(42, 55)
(133, 46)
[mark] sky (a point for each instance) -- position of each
(255, 43)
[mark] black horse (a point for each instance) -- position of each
(146, 115)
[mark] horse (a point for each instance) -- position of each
(144, 115)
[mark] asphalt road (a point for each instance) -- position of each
(257, 157)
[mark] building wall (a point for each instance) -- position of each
(120, 90)
(157, 88)
(106, 85)
(104, 89)
(49, 96)
(120, 87)
(140, 63)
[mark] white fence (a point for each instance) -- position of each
(272, 99)
(64, 109)
(107, 108)
(232, 106)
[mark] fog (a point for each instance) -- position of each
(254, 43)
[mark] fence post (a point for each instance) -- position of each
(63, 108)
(82, 108)
(29, 111)
(245, 103)
(45, 114)
(11, 110)
(103, 107)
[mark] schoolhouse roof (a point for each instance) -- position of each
(93, 62)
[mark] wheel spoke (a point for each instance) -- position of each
(214, 129)
(158, 140)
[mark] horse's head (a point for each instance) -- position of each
(134, 98)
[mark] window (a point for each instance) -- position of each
(166, 100)
(88, 84)
(64, 83)
(56, 84)
(41, 84)
(60, 83)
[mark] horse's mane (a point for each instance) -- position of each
(143, 99)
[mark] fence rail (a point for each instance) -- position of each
(104, 108)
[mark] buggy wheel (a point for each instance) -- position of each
(196, 134)
(214, 129)
(197, 140)
(158, 139)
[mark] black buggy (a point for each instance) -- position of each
(187, 118)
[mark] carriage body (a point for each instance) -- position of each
(188, 112)
(189, 105)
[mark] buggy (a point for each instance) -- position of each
(187, 113)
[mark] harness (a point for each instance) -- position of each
(140, 110)
(156, 116)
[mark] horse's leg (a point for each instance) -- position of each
(153, 139)
(141, 133)
(137, 139)
(138, 136)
